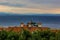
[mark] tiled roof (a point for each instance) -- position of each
(1, 29)
(17, 29)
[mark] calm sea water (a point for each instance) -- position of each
(47, 21)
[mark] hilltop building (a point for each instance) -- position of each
(22, 24)
(39, 24)
(31, 26)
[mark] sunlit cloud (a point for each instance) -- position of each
(20, 10)
(30, 6)
(40, 4)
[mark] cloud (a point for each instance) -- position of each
(39, 4)
(30, 6)
(20, 10)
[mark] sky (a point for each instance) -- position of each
(30, 6)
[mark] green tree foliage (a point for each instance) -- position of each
(3, 35)
(27, 35)
(58, 35)
(36, 35)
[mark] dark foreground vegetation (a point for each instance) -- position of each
(27, 35)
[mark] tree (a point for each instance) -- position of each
(36, 35)
(25, 35)
(12, 36)
(3, 35)
(58, 35)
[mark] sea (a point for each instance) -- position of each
(51, 21)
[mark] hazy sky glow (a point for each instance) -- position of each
(30, 6)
